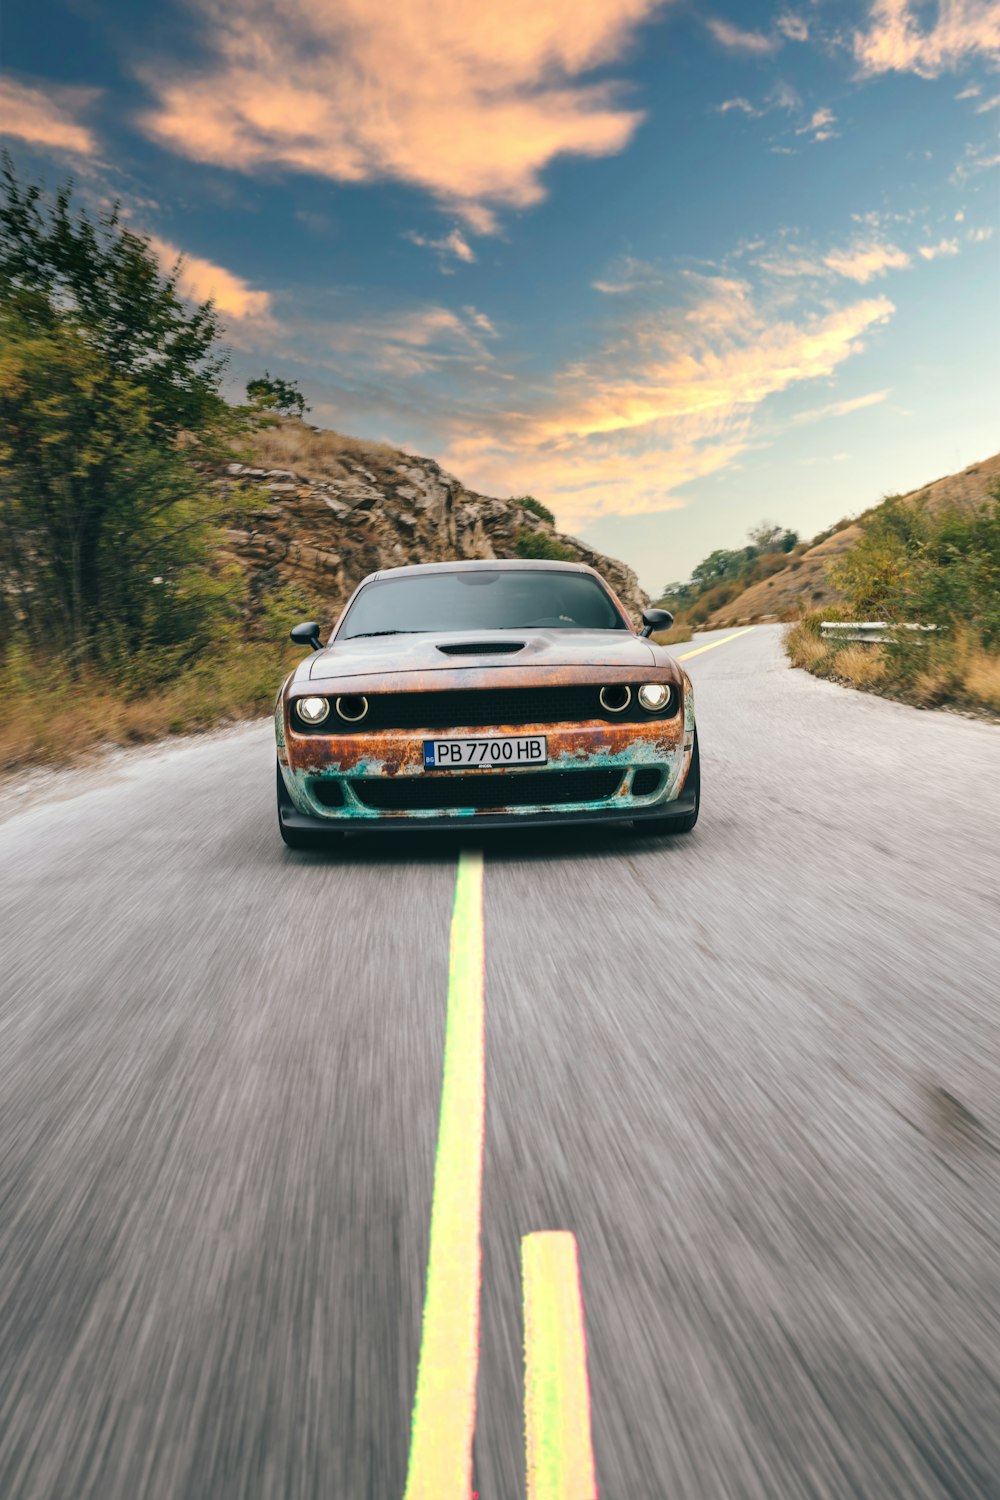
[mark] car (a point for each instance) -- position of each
(487, 693)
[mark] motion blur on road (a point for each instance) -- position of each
(755, 1071)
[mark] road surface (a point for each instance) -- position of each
(755, 1072)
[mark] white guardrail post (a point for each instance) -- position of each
(866, 630)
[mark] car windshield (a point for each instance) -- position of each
(482, 599)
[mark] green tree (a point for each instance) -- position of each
(270, 393)
(933, 568)
(109, 404)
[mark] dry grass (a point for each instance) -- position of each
(314, 452)
(805, 649)
(672, 637)
(70, 720)
(956, 670)
(982, 679)
(861, 666)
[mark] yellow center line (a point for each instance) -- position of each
(560, 1455)
(712, 644)
(444, 1408)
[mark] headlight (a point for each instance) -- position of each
(654, 696)
(312, 710)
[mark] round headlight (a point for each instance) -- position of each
(654, 696)
(312, 710)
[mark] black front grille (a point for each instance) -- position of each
(481, 708)
(494, 789)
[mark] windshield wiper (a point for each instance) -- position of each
(367, 635)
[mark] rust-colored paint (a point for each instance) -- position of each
(402, 750)
(589, 745)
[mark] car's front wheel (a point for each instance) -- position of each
(299, 838)
(686, 821)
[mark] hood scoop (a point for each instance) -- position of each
(482, 648)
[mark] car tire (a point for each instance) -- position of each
(299, 838)
(687, 822)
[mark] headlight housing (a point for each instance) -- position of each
(312, 710)
(655, 696)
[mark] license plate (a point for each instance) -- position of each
(499, 750)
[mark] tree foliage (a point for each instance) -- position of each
(270, 393)
(109, 402)
(935, 568)
(724, 573)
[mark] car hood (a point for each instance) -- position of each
(430, 652)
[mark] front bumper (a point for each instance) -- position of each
(330, 782)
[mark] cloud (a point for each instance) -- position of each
(979, 236)
(972, 92)
(629, 275)
(894, 42)
(820, 125)
(47, 118)
(794, 27)
(943, 247)
(735, 39)
(469, 103)
(200, 279)
(976, 159)
(988, 104)
(782, 96)
(863, 262)
(669, 398)
(454, 244)
(840, 408)
(406, 344)
(743, 105)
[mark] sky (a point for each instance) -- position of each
(672, 268)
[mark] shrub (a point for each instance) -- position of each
(538, 544)
(528, 502)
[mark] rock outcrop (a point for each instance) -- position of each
(338, 509)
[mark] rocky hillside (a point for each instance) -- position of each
(339, 508)
(805, 583)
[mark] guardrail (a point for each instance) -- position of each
(867, 630)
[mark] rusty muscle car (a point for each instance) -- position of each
(487, 693)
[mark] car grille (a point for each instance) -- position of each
(480, 708)
(494, 789)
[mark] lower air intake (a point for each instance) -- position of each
(496, 789)
(646, 781)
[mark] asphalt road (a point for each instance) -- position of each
(755, 1071)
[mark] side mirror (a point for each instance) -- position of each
(655, 619)
(307, 634)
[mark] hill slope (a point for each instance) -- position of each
(805, 582)
(340, 508)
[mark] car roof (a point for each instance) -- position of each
(462, 565)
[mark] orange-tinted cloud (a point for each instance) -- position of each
(863, 262)
(671, 397)
(199, 279)
(840, 408)
(46, 117)
(895, 42)
(470, 102)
